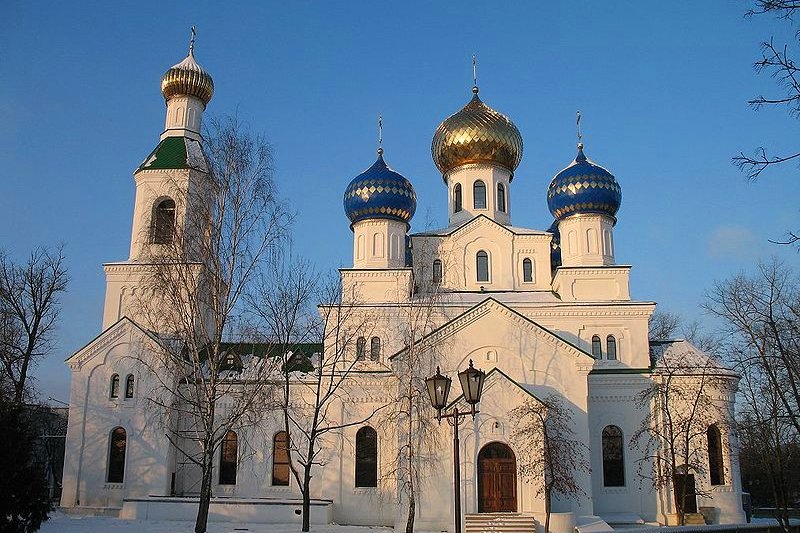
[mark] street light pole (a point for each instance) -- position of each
(438, 385)
(456, 471)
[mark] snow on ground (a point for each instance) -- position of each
(61, 523)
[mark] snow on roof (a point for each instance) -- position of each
(683, 356)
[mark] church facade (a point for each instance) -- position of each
(542, 312)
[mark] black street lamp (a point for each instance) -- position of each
(438, 385)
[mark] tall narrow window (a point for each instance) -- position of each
(611, 347)
(366, 457)
(457, 204)
(479, 195)
(227, 459)
(597, 348)
(716, 469)
(129, 386)
(164, 222)
(114, 388)
(613, 457)
(280, 459)
(437, 271)
(361, 349)
(482, 266)
(116, 456)
(375, 349)
(527, 270)
(501, 197)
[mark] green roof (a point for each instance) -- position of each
(175, 153)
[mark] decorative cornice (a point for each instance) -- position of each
(100, 344)
(594, 270)
(362, 273)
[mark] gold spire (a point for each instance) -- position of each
(474, 74)
(187, 78)
(380, 134)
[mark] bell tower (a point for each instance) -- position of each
(172, 184)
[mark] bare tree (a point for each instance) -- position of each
(760, 314)
(688, 394)
(554, 457)
(229, 225)
(409, 420)
(665, 326)
(769, 443)
(777, 61)
(316, 393)
(29, 310)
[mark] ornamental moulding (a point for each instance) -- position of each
(592, 271)
(99, 346)
(613, 398)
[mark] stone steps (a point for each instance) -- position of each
(694, 519)
(499, 523)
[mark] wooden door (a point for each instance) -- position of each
(497, 479)
(684, 485)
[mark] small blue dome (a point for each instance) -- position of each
(583, 187)
(380, 192)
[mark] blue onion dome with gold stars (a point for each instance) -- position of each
(188, 78)
(476, 134)
(583, 187)
(380, 192)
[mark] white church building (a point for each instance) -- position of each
(542, 312)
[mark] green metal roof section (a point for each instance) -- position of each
(176, 153)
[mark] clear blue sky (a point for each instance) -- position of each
(662, 87)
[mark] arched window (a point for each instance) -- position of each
(361, 349)
(129, 386)
(280, 459)
(716, 469)
(113, 391)
(227, 459)
(527, 270)
(437, 270)
(501, 197)
(457, 204)
(482, 266)
(613, 457)
(116, 456)
(375, 349)
(597, 348)
(366, 457)
(164, 222)
(479, 195)
(611, 347)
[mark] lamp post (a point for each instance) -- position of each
(438, 386)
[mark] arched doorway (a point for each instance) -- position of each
(497, 479)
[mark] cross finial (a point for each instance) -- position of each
(191, 41)
(474, 74)
(578, 125)
(380, 134)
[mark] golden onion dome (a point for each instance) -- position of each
(476, 134)
(187, 78)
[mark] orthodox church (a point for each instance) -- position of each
(541, 312)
